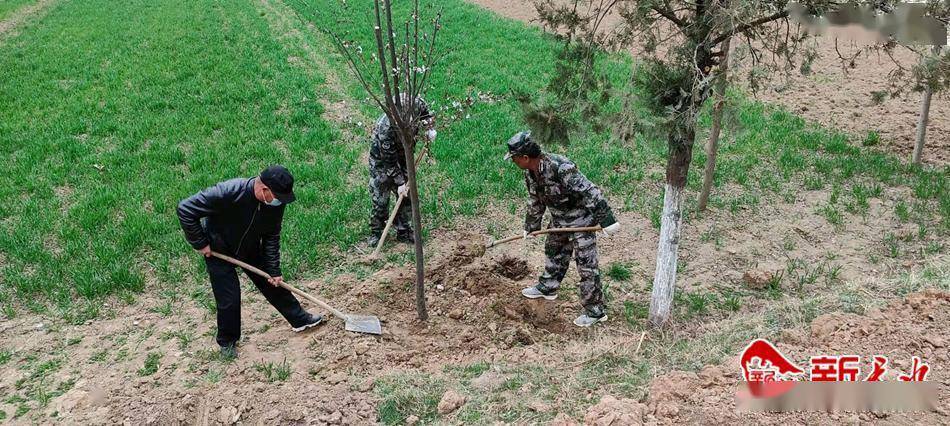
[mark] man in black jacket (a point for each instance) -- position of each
(242, 218)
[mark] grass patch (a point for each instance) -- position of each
(831, 213)
(933, 276)
(184, 337)
(404, 395)
(467, 372)
(872, 139)
(37, 385)
(796, 314)
(618, 271)
(274, 372)
(635, 312)
(126, 116)
(729, 300)
(151, 364)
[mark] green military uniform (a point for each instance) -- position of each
(554, 184)
(387, 172)
(573, 202)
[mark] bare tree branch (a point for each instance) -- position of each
(669, 15)
(749, 25)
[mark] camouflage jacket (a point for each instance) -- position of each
(386, 155)
(572, 199)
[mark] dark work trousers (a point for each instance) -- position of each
(227, 295)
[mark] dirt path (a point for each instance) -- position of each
(10, 27)
(298, 36)
(310, 50)
(833, 97)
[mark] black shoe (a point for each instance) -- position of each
(373, 240)
(312, 321)
(228, 352)
(405, 237)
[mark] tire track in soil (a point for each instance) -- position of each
(292, 32)
(10, 27)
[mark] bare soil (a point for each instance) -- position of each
(835, 94)
(477, 313)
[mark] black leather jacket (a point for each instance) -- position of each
(234, 222)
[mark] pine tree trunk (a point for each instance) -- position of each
(408, 149)
(922, 124)
(712, 146)
(664, 279)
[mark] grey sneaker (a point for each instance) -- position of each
(534, 292)
(373, 240)
(228, 352)
(313, 321)
(586, 320)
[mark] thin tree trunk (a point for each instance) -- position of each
(421, 310)
(712, 146)
(664, 279)
(922, 124)
(681, 139)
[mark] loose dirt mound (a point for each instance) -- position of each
(539, 313)
(916, 326)
(469, 269)
(612, 411)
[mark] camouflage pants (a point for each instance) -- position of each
(380, 187)
(558, 251)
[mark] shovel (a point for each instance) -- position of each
(357, 323)
(543, 231)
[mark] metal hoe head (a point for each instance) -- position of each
(363, 324)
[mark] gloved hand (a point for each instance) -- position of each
(612, 229)
(526, 235)
(430, 134)
(403, 190)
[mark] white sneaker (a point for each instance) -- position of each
(533, 293)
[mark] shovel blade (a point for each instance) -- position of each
(363, 324)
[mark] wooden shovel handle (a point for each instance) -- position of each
(545, 231)
(293, 289)
(389, 224)
(392, 217)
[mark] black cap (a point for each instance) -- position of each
(522, 144)
(280, 182)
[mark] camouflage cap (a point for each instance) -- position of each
(522, 144)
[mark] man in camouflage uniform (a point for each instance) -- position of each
(387, 175)
(555, 184)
